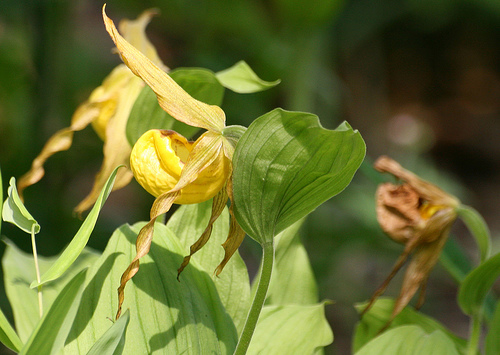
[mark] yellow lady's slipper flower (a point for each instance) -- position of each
(107, 109)
(174, 170)
(419, 215)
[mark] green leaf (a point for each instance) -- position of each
(377, 317)
(146, 114)
(478, 228)
(410, 340)
(477, 284)
(166, 316)
(292, 280)
(286, 165)
(233, 285)
(19, 272)
(492, 342)
(13, 211)
(242, 79)
(291, 329)
(8, 335)
(113, 341)
(51, 332)
(81, 238)
(1, 201)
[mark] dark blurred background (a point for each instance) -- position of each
(418, 78)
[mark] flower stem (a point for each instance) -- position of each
(259, 298)
(37, 269)
(475, 333)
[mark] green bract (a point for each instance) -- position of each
(286, 165)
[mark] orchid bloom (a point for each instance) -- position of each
(173, 169)
(419, 215)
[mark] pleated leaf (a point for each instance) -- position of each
(376, 318)
(233, 285)
(79, 241)
(477, 284)
(286, 165)
(166, 316)
(291, 329)
(51, 332)
(410, 340)
(19, 273)
(113, 341)
(242, 79)
(147, 114)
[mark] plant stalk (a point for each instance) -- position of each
(258, 300)
(37, 269)
(475, 333)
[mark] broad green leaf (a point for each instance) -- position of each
(166, 316)
(233, 285)
(147, 114)
(13, 211)
(79, 241)
(19, 272)
(492, 342)
(292, 280)
(113, 341)
(51, 332)
(291, 329)
(286, 165)
(377, 317)
(477, 284)
(410, 340)
(478, 228)
(8, 335)
(242, 79)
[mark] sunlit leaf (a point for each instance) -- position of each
(19, 273)
(51, 332)
(492, 341)
(113, 341)
(8, 335)
(242, 79)
(14, 211)
(292, 280)
(376, 318)
(478, 228)
(477, 284)
(188, 222)
(291, 329)
(286, 165)
(80, 239)
(166, 316)
(410, 340)
(147, 114)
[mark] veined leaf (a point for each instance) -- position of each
(410, 340)
(477, 284)
(147, 114)
(51, 332)
(19, 272)
(166, 316)
(14, 211)
(478, 228)
(376, 318)
(113, 341)
(286, 165)
(233, 285)
(292, 280)
(242, 79)
(80, 239)
(291, 329)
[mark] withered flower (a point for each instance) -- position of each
(419, 215)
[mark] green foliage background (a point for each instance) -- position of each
(419, 79)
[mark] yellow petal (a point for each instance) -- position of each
(134, 32)
(171, 97)
(163, 161)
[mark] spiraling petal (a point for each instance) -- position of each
(171, 97)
